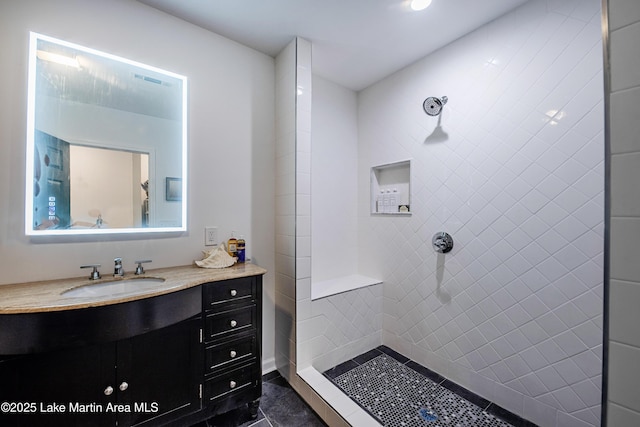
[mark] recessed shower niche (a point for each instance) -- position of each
(391, 188)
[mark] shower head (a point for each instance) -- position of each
(433, 106)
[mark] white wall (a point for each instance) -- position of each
(334, 191)
(345, 325)
(514, 312)
(623, 407)
(107, 187)
(231, 138)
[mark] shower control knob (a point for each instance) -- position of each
(442, 242)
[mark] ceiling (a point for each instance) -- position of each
(355, 42)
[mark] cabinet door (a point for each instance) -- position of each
(64, 387)
(161, 374)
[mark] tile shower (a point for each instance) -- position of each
(513, 170)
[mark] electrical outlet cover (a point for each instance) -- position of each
(210, 236)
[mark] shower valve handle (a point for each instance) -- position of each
(442, 242)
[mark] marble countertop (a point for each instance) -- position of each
(48, 296)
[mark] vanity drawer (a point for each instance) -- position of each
(233, 292)
(218, 325)
(233, 381)
(231, 353)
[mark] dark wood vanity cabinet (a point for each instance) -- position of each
(149, 379)
(232, 311)
(172, 375)
(32, 386)
(163, 371)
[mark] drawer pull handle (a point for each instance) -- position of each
(108, 391)
(123, 386)
(233, 323)
(232, 384)
(234, 292)
(233, 354)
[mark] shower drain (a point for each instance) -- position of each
(428, 415)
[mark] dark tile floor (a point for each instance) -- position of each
(280, 406)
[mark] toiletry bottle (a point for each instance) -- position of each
(398, 200)
(241, 248)
(385, 201)
(393, 201)
(232, 245)
(380, 202)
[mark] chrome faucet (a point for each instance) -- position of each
(139, 268)
(118, 270)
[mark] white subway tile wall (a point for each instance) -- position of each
(514, 312)
(285, 226)
(342, 326)
(623, 407)
(304, 92)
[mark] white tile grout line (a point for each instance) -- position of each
(267, 418)
(259, 421)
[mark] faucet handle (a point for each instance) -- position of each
(95, 274)
(139, 269)
(118, 271)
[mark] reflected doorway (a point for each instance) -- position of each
(109, 188)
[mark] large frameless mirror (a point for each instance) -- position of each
(106, 143)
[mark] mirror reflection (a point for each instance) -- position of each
(105, 143)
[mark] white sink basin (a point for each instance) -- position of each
(116, 287)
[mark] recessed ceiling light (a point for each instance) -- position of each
(420, 4)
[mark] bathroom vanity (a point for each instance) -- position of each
(175, 353)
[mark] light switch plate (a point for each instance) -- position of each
(210, 236)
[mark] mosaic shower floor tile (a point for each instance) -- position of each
(398, 396)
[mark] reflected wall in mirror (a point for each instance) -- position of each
(103, 134)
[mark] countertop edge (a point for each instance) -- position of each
(47, 296)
